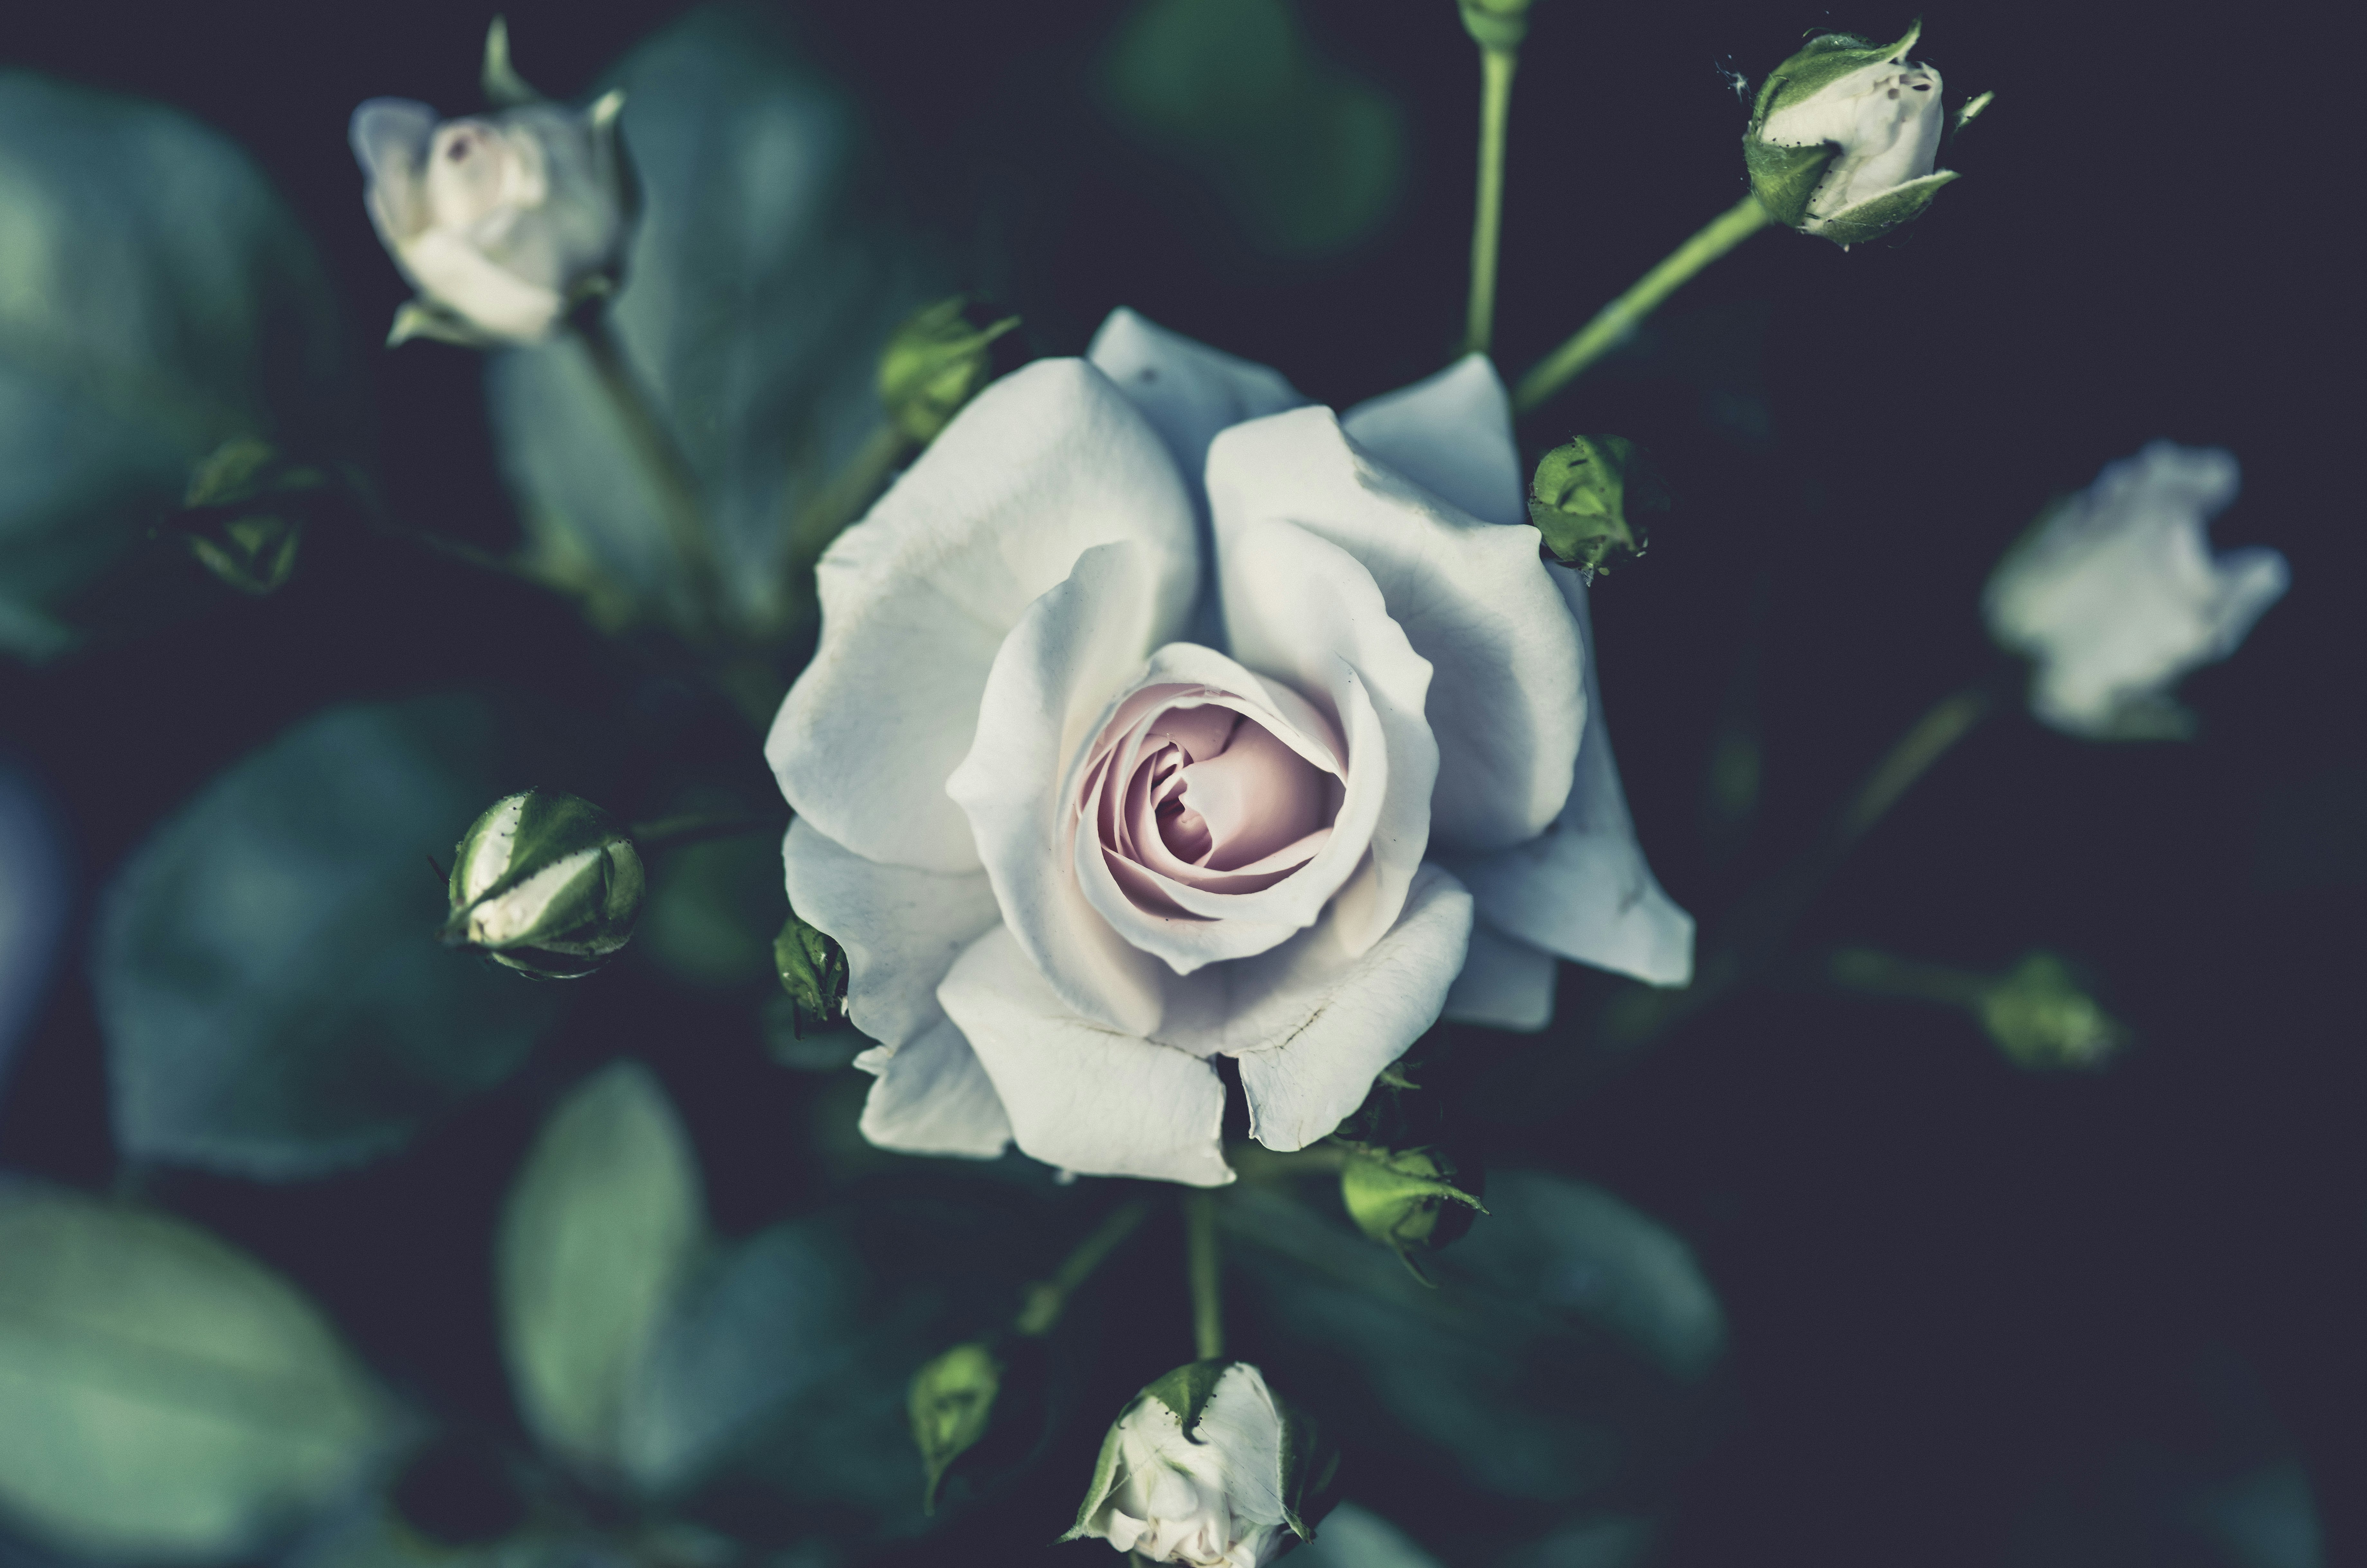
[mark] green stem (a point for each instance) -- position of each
(1255, 1161)
(692, 827)
(661, 462)
(1614, 320)
(1206, 1265)
(1873, 973)
(1047, 1297)
(1488, 217)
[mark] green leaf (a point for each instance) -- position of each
(1350, 1537)
(163, 1397)
(598, 1233)
(274, 1000)
(770, 268)
(156, 300)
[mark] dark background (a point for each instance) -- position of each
(1978, 1315)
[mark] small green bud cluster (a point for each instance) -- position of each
(1407, 1200)
(243, 513)
(1592, 497)
(951, 1402)
(812, 967)
(937, 362)
(546, 883)
(2043, 1018)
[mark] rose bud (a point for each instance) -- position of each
(2043, 1018)
(243, 513)
(2115, 594)
(936, 361)
(1407, 1199)
(950, 1401)
(812, 967)
(1592, 497)
(1843, 135)
(548, 884)
(505, 221)
(1495, 24)
(1205, 1467)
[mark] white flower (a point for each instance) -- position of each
(1886, 120)
(503, 222)
(2115, 594)
(1101, 773)
(1216, 1497)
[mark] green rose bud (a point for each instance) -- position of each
(812, 967)
(1592, 498)
(1407, 1199)
(1843, 135)
(937, 361)
(243, 513)
(951, 1400)
(1496, 24)
(548, 884)
(2042, 1017)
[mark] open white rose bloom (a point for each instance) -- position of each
(1159, 717)
(2115, 594)
(1214, 1497)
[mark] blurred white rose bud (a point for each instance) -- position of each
(505, 221)
(1205, 1467)
(1843, 136)
(546, 883)
(2115, 594)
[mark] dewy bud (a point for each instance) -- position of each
(937, 362)
(548, 884)
(812, 967)
(243, 513)
(1407, 1199)
(1592, 498)
(1495, 24)
(2042, 1017)
(951, 1399)
(1843, 136)
(1206, 1467)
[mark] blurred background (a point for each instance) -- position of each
(1972, 1313)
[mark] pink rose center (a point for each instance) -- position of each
(1184, 786)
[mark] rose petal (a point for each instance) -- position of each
(932, 1097)
(1505, 984)
(1307, 612)
(917, 598)
(901, 928)
(1082, 1096)
(390, 138)
(1451, 433)
(1507, 698)
(1583, 890)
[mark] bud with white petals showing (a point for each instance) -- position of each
(1592, 497)
(1205, 1467)
(1843, 136)
(546, 883)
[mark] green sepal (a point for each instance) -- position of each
(425, 318)
(1104, 1480)
(1590, 498)
(243, 513)
(951, 1402)
(812, 967)
(1308, 1468)
(1185, 1390)
(503, 87)
(1966, 112)
(936, 361)
(1872, 219)
(1499, 24)
(1786, 179)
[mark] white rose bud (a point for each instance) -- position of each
(505, 221)
(2115, 594)
(1843, 136)
(1205, 1467)
(547, 884)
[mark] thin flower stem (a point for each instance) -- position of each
(661, 462)
(1873, 973)
(1496, 66)
(672, 832)
(1206, 1265)
(1614, 320)
(1255, 1161)
(1047, 1297)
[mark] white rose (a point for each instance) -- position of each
(1100, 775)
(2115, 594)
(1887, 120)
(505, 221)
(1215, 1497)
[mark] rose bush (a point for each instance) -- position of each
(1158, 716)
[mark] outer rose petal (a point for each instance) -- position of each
(390, 138)
(916, 599)
(1583, 890)
(901, 928)
(1079, 1095)
(1453, 436)
(1507, 700)
(932, 1097)
(1187, 389)
(1505, 984)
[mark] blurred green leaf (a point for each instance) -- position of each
(1309, 157)
(713, 911)
(273, 996)
(598, 1233)
(770, 268)
(156, 300)
(163, 1397)
(1350, 1537)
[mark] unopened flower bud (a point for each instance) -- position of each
(1594, 498)
(2042, 1017)
(548, 884)
(1206, 1467)
(1495, 24)
(1408, 1200)
(812, 967)
(952, 1398)
(1843, 136)
(937, 361)
(505, 222)
(243, 513)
